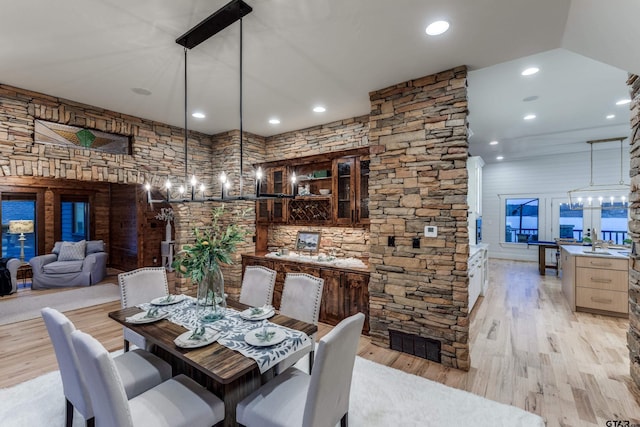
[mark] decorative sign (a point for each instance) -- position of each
(59, 134)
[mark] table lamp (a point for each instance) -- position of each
(20, 227)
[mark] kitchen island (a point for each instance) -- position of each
(596, 281)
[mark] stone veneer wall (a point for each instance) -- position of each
(633, 336)
(418, 139)
(335, 136)
(157, 153)
(346, 241)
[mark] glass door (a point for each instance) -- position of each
(344, 207)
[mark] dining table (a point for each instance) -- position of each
(226, 372)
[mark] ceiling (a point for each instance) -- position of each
(302, 53)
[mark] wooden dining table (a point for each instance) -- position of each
(227, 373)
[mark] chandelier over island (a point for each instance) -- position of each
(193, 190)
(601, 196)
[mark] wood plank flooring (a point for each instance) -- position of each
(527, 349)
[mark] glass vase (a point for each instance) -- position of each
(211, 303)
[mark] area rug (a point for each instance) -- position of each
(380, 397)
(28, 307)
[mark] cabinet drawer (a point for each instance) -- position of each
(602, 300)
(601, 262)
(612, 280)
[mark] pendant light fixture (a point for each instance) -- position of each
(219, 20)
(601, 196)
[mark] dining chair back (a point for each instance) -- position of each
(139, 369)
(177, 402)
(137, 287)
(301, 299)
(257, 286)
(321, 399)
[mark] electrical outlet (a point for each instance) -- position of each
(416, 243)
(391, 241)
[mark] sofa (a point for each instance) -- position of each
(81, 263)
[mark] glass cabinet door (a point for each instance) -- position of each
(277, 209)
(362, 211)
(344, 210)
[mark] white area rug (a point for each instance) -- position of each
(380, 397)
(28, 307)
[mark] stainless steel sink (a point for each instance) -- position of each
(600, 252)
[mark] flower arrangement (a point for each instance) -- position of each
(214, 245)
(166, 214)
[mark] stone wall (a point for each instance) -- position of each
(345, 241)
(633, 336)
(335, 136)
(418, 140)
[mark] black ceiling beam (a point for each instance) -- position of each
(215, 23)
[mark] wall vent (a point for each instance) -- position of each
(415, 345)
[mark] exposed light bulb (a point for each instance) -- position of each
(167, 184)
(259, 173)
(147, 186)
(223, 177)
(181, 189)
(194, 181)
(293, 178)
(202, 187)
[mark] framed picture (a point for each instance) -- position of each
(308, 241)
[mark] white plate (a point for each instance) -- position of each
(210, 336)
(246, 314)
(140, 317)
(161, 300)
(253, 340)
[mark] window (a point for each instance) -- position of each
(18, 207)
(571, 224)
(74, 216)
(613, 222)
(521, 220)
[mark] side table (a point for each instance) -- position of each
(24, 273)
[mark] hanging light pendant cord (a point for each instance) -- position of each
(186, 131)
(241, 128)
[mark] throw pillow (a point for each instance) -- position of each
(94, 246)
(72, 251)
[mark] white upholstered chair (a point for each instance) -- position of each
(321, 399)
(137, 287)
(257, 286)
(139, 370)
(301, 298)
(177, 402)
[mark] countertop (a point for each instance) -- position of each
(579, 250)
(474, 249)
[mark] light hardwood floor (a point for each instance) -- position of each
(527, 349)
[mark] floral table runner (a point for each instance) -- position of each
(233, 329)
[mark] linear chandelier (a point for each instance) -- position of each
(193, 190)
(601, 196)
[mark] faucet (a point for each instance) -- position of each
(603, 244)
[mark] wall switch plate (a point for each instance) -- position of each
(430, 231)
(416, 243)
(391, 241)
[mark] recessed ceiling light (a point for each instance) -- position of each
(529, 117)
(493, 143)
(530, 71)
(319, 109)
(198, 115)
(500, 158)
(274, 121)
(623, 102)
(611, 116)
(530, 98)
(437, 28)
(141, 91)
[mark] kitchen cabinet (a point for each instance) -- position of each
(345, 291)
(274, 210)
(595, 283)
(477, 270)
(474, 193)
(351, 189)
(333, 190)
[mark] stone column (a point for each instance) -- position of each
(418, 139)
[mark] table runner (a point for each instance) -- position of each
(233, 328)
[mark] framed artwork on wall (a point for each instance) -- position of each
(308, 241)
(77, 137)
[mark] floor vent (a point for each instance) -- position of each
(415, 345)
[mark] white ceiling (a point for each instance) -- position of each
(299, 53)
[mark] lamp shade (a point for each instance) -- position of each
(21, 226)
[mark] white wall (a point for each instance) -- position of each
(545, 178)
